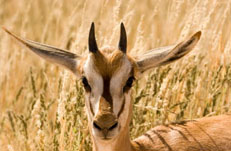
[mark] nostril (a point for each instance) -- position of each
(96, 126)
(113, 126)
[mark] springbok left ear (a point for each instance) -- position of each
(166, 55)
(123, 39)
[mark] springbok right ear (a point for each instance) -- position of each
(166, 55)
(55, 55)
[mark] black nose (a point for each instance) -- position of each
(97, 126)
(113, 126)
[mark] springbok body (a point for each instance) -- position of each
(205, 134)
(107, 76)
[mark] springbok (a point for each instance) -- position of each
(108, 75)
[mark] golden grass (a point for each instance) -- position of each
(42, 106)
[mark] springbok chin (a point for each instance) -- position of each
(107, 76)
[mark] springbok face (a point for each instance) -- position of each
(107, 80)
(108, 77)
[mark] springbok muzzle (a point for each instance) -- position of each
(105, 120)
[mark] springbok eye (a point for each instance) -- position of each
(130, 81)
(86, 84)
(128, 84)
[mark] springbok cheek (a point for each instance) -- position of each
(94, 104)
(88, 107)
(126, 113)
(118, 105)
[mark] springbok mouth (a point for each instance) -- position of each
(106, 138)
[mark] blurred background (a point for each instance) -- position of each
(42, 105)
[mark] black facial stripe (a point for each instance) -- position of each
(106, 90)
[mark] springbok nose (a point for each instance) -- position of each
(105, 122)
(107, 128)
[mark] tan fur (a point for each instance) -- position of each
(205, 134)
(107, 64)
(108, 60)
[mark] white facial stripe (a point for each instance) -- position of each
(95, 80)
(117, 83)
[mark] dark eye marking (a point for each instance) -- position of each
(129, 83)
(86, 84)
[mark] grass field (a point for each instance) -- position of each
(42, 105)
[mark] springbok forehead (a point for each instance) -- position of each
(108, 64)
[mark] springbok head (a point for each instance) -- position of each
(108, 75)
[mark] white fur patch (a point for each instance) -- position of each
(95, 80)
(117, 83)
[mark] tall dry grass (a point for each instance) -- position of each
(42, 106)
